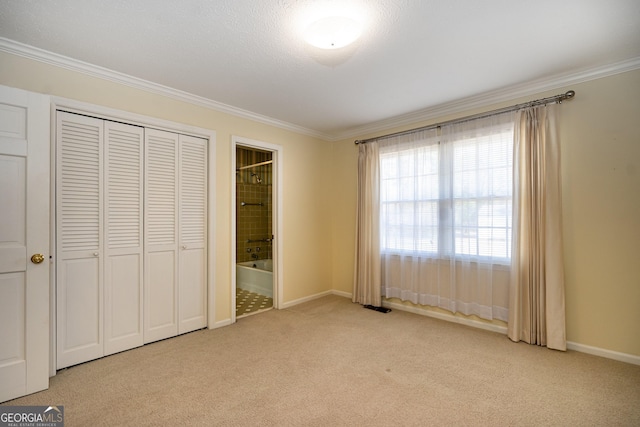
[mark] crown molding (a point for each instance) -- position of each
(41, 55)
(493, 97)
(458, 106)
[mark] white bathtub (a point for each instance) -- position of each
(255, 276)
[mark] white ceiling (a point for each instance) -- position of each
(414, 55)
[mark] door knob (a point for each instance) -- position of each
(37, 258)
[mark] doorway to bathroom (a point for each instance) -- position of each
(256, 201)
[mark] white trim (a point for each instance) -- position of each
(290, 304)
(493, 97)
(342, 294)
(53, 303)
(234, 234)
(221, 324)
(211, 230)
(79, 107)
(488, 98)
(278, 214)
(602, 352)
(582, 348)
(41, 55)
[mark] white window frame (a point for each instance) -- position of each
(445, 246)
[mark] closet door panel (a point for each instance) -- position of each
(123, 313)
(161, 317)
(79, 227)
(192, 233)
(161, 236)
(123, 236)
(193, 294)
(81, 310)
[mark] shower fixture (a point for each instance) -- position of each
(258, 179)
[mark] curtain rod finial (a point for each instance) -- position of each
(570, 94)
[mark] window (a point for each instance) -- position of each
(449, 196)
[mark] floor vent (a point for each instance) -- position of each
(380, 309)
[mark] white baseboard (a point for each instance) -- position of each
(582, 348)
(602, 352)
(342, 294)
(441, 316)
(221, 323)
(447, 317)
(290, 304)
(316, 296)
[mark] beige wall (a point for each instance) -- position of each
(601, 185)
(600, 136)
(307, 258)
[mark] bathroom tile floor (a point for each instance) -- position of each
(250, 302)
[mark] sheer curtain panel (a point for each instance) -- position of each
(446, 216)
(537, 301)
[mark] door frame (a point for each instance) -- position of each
(277, 225)
(106, 113)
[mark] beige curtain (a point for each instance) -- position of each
(366, 283)
(536, 292)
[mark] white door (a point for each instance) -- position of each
(161, 236)
(175, 275)
(79, 141)
(99, 224)
(123, 237)
(24, 231)
(192, 295)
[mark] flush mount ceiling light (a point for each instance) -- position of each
(333, 32)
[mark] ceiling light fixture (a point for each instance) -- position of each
(333, 32)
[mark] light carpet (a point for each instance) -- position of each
(330, 362)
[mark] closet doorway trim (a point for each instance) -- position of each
(278, 209)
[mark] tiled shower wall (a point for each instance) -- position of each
(253, 222)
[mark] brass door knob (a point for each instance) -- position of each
(37, 258)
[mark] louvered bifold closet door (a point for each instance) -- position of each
(161, 235)
(79, 210)
(123, 181)
(192, 234)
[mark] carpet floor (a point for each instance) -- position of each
(329, 362)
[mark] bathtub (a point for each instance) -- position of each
(255, 276)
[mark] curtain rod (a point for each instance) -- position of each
(552, 99)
